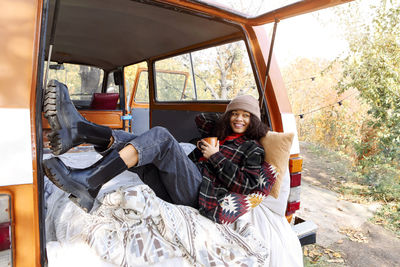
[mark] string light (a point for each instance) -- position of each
(340, 103)
(311, 78)
(321, 73)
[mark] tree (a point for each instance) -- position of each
(220, 73)
(312, 91)
(373, 68)
(223, 71)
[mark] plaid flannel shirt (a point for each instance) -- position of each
(230, 175)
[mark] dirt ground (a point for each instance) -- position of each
(345, 236)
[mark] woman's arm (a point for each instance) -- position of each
(238, 179)
(206, 122)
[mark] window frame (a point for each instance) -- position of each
(210, 45)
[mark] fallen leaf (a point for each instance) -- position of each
(354, 235)
(305, 252)
(340, 241)
(337, 255)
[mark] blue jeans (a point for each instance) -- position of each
(163, 165)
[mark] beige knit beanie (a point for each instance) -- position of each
(246, 103)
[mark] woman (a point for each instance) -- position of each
(214, 179)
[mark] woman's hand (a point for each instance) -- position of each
(208, 150)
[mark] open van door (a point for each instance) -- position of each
(294, 9)
(139, 96)
(271, 12)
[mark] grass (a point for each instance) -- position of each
(389, 217)
(336, 164)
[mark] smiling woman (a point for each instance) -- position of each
(240, 121)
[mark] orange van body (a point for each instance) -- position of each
(20, 41)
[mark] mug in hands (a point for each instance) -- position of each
(211, 140)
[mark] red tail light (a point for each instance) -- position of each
(295, 179)
(292, 207)
(5, 236)
(295, 167)
(6, 259)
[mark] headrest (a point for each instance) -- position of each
(104, 101)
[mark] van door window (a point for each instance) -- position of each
(142, 90)
(220, 73)
(111, 86)
(82, 81)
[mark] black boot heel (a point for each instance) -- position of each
(84, 200)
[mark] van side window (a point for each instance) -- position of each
(142, 90)
(216, 73)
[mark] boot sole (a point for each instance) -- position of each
(60, 136)
(81, 197)
(50, 113)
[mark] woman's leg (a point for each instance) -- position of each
(179, 175)
(70, 129)
(150, 175)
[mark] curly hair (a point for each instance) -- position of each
(255, 131)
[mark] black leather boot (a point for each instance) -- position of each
(69, 128)
(84, 184)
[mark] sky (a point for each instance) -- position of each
(315, 35)
(306, 36)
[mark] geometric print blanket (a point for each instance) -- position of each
(133, 227)
(234, 205)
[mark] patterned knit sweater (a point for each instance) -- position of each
(235, 179)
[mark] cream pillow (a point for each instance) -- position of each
(277, 151)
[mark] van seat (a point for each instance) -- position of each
(104, 101)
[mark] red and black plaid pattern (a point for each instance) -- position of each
(238, 169)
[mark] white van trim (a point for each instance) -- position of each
(15, 142)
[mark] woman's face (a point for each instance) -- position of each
(240, 121)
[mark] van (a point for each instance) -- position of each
(131, 65)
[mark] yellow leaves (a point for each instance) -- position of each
(381, 221)
(337, 255)
(317, 253)
(354, 235)
(312, 253)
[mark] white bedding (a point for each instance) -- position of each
(132, 227)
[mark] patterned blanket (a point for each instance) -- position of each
(133, 227)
